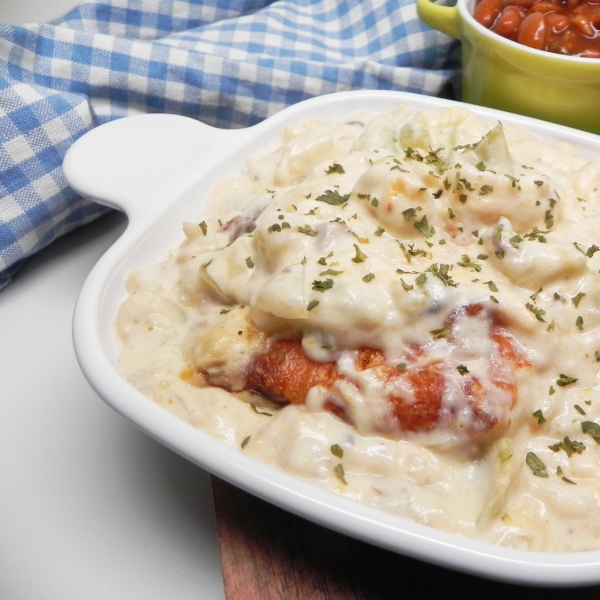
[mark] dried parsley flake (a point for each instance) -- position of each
(335, 168)
(332, 197)
(360, 255)
(259, 412)
(536, 465)
(322, 285)
(591, 428)
(564, 380)
(424, 227)
(339, 471)
(337, 450)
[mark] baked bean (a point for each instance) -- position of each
(569, 40)
(557, 23)
(487, 11)
(545, 7)
(583, 24)
(521, 3)
(533, 31)
(593, 15)
(561, 26)
(508, 22)
(572, 4)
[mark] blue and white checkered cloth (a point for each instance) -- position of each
(229, 63)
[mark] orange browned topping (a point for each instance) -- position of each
(428, 387)
(285, 374)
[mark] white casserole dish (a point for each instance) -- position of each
(159, 170)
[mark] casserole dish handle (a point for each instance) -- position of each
(134, 164)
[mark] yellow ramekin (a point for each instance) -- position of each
(502, 74)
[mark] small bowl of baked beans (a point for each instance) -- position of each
(539, 58)
(570, 27)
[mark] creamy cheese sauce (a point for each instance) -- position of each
(454, 247)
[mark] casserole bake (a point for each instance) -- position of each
(150, 233)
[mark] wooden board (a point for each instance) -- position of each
(269, 554)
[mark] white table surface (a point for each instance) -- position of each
(90, 507)
(33, 11)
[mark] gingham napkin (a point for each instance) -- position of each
(229, 63)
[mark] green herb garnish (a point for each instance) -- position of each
(591, 428)
(592, 250)
(424, 227)
(577, 299)
(337, 450)
(467, 263)
(569, 446)
(536, 465)
(330, 272)
(335, 168)
(332, 197)
(259, 412)
(538, 312)
(442, 332)
(339, 471)
(360, 255)
(442, 272)
(536, 294)
(322, 285)
(307, 230)
(564, 380)
(409, 213)
(515, 240)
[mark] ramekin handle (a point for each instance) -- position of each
(442, 18)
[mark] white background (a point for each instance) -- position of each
(90, 507)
